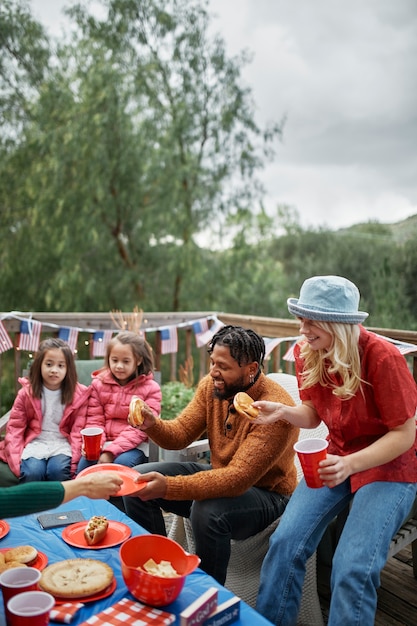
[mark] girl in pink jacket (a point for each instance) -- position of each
(43, 440)
(128, 372)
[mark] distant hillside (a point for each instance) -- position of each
(401, 231)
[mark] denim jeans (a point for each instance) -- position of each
(214, 521)
(57, 467)
(377, 512)
(130, 458)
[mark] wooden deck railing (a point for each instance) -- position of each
(265, 326)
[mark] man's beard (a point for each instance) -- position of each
(229, 390)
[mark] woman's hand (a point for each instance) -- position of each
(269, 412)
(334, 470)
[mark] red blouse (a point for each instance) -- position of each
(387, 401)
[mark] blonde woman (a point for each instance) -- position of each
(360, 386)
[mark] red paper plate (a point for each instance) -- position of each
(41, 560)
(4, 528)
(97, 596)
(128, 474)
(117, 532)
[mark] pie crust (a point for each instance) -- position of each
(76, 578)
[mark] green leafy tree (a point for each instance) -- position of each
(141, 138)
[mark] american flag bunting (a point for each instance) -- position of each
(402, 346)
(207, 336)
(30, 335)
(169, 340)
(289, 355)
(100, 340)
(5, 341)
(70, 335)
(200, 327)
(271, 343)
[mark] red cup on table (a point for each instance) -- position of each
(30, 608)
(15, 581)
(310, 452)
(92, 442)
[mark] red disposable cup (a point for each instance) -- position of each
(17, 580)
(311, 452)
(92, 442)
(30, 608)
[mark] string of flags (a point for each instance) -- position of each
(30, 335)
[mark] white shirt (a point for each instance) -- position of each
(50, 441)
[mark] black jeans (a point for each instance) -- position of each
(215, 522)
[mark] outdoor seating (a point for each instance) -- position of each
(247, 555)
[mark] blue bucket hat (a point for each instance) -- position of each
(328, 299)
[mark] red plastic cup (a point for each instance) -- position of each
(311, 452)
(16, 580)
(92, 442)
(30, 608)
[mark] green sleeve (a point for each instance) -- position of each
(30, 498)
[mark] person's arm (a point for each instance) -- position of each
(100, 485)
(335, 469)
(41, 496)
(304, 415)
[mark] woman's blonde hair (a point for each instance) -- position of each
(339, 366)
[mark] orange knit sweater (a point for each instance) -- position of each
(243, 454)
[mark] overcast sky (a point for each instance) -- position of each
(344, 76)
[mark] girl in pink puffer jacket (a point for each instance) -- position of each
(128, 372)
(43, 440)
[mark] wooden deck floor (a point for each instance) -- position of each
(397, 597)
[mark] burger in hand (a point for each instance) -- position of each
(136, 417)
(243, 405)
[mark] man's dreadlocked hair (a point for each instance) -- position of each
(244, 344)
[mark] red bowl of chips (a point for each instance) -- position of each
(154, 568)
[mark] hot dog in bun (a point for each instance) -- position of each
(243, 405)
(96, 529)
(135, 416)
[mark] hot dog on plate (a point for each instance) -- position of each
(96, 529)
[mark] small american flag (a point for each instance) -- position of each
(402, 346)
(100, 340)
(271, 343)
(30, 334)
(207, 336)
(70, 335)
(289, 355)
(169, 340)
(5, 341)
(200, 327)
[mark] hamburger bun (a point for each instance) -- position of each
(243, 405)
(135, 416)
(22, 554)
(10, 565)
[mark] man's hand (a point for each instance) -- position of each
(148, 417)
(156, 486)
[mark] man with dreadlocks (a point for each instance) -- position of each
(251, 473)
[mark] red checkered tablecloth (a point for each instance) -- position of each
(65, 613)
(133, 613)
